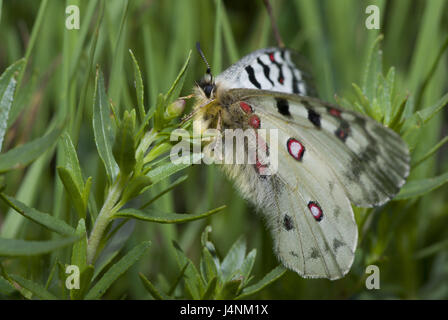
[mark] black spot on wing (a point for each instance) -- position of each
(281, 77)
(293, 254)
(337, 244)
(266, 70)
(343, 131)
(283, 107)
(314, 253)
(314, 117)
(251, 75)
(287, 223)
(295, 82)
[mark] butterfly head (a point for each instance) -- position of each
(207, 84)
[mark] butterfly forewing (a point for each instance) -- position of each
(271, 69)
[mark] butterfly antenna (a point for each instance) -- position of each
(198, 47)
(274, 24)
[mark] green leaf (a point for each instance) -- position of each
(22, 155)
(5, 287)
(102, 127)
(234, 259)
(16, 248)
(44, 219)
(157, 294)
(230, 289)
(373, 68)
(138, 88)
(165, 170)
(124, 146)
(174, 91)
(37, 289)
(210, 290)
(273, 275)
(207, 266)
(135, 187)
(420, 118)
(417, 188)
(178, 279)
(75, 194)
(431, 152)
(71, 162)
(153, 215)
(248, 264)
(79, 259)
(116, 240)
(164, 191)
(71, 176)
(8, 83)
(193, 281)
(117, 270)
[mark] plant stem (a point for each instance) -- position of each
(104, 217)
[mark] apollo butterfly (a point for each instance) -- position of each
(328, 158)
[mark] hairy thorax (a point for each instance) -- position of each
(221, 111)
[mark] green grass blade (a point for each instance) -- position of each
(36, 28)
(7, 87)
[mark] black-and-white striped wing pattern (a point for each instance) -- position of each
(269, 69)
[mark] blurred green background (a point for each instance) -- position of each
(408, 240)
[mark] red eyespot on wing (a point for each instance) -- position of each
(315, 210)
(295, 148)
(335, 112)
(281, 80)
(271, 57)
(246, 108)
(254, 121)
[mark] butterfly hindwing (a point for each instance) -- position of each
(311, 223)
(316, 234)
